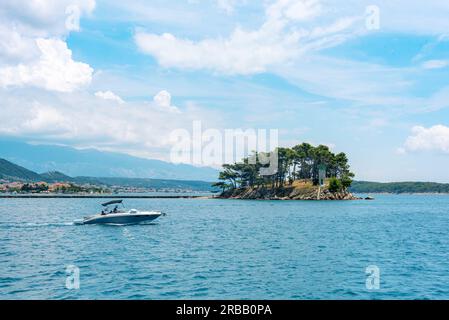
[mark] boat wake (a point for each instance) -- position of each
(6, 225)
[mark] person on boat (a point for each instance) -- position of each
(115, 209)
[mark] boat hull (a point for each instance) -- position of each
(122, 218)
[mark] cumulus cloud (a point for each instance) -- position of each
(15, 47)
(33, 51)
(45, 120)
(53, 70)
(82, 120)
(435, 138)
(163, 100)
(109, 95)
(277, 41)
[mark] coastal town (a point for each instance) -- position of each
(18, 187)
(45, 187)
(15, 179)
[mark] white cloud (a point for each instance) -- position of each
(276, 42)
(53, 70)
(163, 100)
(43, 18)
(33, 51)
(242, 53)
(109, 95)
(291, 28)
(82, 120)
(15, 47)
(45, 120)
(435, 138)
(435, 64)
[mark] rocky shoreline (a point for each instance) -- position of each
(287, 193)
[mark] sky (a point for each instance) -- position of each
(368, 78)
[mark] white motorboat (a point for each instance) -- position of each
(119, 216)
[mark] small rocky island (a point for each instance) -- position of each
(303, 172)
(299, 190)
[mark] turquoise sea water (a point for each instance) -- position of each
(228, 249)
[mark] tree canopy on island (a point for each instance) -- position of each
(302, 162)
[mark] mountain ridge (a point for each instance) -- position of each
(11, 171)
(94, 163)
(14, 173)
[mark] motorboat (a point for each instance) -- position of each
(118, 216)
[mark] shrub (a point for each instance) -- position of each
(346, 181)
(335, 185)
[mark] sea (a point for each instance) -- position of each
(394, 247)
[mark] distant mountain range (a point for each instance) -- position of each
(21, 162)
(12, 172)
(94, 163)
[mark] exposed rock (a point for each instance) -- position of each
(298, 191)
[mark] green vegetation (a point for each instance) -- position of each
(55, 176)
(302, 162)
(11, 171)
(73, 188)
(335, 185)
(399, 187)
(29, 187)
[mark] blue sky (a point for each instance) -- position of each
(126, 74)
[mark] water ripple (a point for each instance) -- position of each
(228, 250)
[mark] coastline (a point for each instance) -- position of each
(407, 193)
(292, 192)
(345, 196)
(79, 196)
